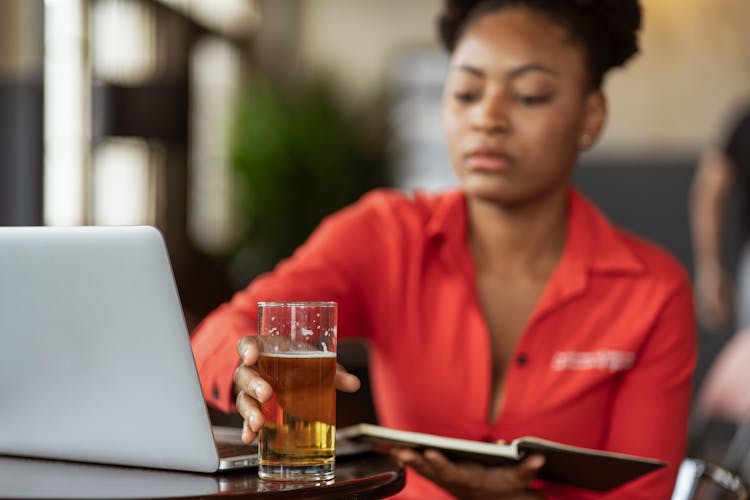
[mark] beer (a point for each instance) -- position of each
(297, 357)
(300, 428)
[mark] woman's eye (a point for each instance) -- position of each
(465, 97)
(531, 100)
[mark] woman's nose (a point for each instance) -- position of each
(491, 115)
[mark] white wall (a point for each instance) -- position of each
(356, 40)
(693, 72)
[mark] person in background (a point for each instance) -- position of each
(719, 169)
(510, 306)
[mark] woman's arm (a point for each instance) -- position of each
(338, 262)
(708, 196)
(651, 409)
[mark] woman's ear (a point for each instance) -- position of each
(593, 120)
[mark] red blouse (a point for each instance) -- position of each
(605, 361)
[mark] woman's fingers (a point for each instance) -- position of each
(345, 381)
(513, 478)
(448, 471)
(248, 350)
(251, 389)
(471, 480)
(413, 459)
(247, 380)
(252, 416)
(529, 468)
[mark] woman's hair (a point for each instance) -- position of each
(607, 29)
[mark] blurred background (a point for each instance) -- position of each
(235, 125)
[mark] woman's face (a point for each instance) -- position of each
(517, 107)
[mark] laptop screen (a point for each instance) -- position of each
(95, 363)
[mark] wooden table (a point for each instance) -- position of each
(366, 476)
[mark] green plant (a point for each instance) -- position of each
(298, 157)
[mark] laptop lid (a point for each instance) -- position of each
(95, 361)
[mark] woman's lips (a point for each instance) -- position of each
(488, 162)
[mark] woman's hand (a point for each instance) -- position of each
(473, 481)
(252, 390)
(713, 299)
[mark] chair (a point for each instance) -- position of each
(701, 480)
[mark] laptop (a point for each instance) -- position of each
(95, 358)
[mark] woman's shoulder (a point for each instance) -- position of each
(618, 249)
(659, 263)
(389, 217)
(397, 199)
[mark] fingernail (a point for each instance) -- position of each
(258, 389)
(536, 461)
(256, 422)
(404, 457)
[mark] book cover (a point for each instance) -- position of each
(572, 465)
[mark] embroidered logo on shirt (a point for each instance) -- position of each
(603, 359)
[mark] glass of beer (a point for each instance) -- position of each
(297, 357)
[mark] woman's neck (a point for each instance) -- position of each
(522, 240)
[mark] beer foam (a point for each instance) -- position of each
(300, 354)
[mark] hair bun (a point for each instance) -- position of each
(621, 20)
(608, 28)
(451, 20)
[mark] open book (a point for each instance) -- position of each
(571, 465)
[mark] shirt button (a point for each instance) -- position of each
(215, 392)
(522, 359)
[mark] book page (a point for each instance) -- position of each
(420, 440)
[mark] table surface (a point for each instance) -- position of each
(364, 476)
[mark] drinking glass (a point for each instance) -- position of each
(297, 342)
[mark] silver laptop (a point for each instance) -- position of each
(95, 359)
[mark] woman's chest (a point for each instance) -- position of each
(562, 369)
(506, 304)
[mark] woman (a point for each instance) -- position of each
(510, 307)
(721, 171)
